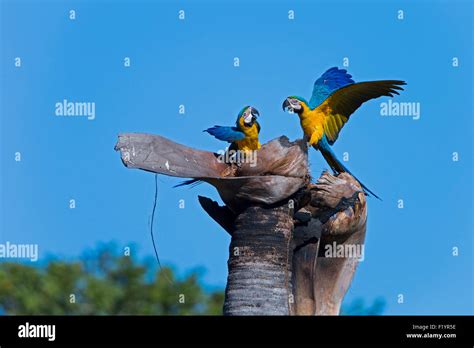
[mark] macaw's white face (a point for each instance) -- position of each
(248, 119)
(250, 116)
(292, 105)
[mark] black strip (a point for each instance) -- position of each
(139, 330)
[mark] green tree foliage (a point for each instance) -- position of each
(103, 282)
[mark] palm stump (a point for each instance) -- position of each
(281, 225)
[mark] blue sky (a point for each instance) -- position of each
(190, 62)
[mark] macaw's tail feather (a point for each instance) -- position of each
(337, 165)
(192, 182)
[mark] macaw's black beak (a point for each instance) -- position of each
(254, 112)
(286, 104)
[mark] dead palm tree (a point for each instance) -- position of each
(285, 231)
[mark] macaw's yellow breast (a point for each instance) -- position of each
(312, 122)
(250, 142)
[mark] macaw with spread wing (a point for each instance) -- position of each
(243, 136)
(335, 98)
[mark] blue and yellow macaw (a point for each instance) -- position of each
(243, 136)
(335, 98)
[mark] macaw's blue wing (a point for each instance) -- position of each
(330, 81)
(342, 103)
(229, 134)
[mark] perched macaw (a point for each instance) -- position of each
(335, 98)
(243, 136)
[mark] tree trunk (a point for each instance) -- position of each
(260, 254)
(335, 217)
